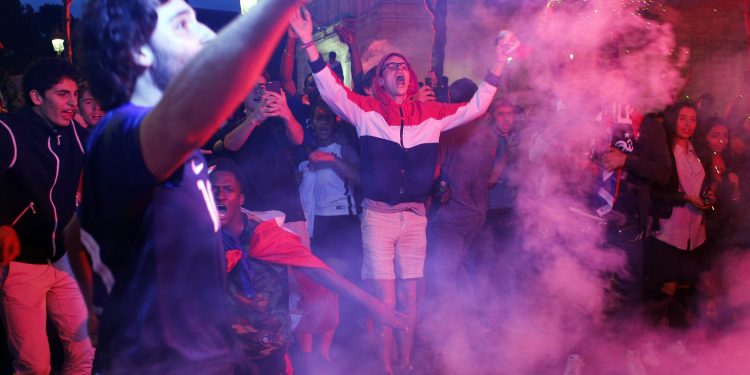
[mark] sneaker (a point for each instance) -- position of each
(635, 364)
(574, 366)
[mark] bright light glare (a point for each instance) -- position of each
(245, 5)
(58, 45)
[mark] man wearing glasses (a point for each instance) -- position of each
(399, 149)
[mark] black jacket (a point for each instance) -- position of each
(40, 167)
(648, 166)
(666, 197)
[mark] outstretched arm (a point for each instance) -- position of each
(342, 286)
(211, 86)
(339, 98)
(479, 103)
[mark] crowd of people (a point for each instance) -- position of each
(172, 208)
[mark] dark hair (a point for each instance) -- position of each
(501, 102)
(363, 81)
(461, 90)
(701, 132)
(321, 109)
(44, 73)
(332, 55)
(111, 32)
(229, 166)
(670, 119)
(379, 91)
(83, 86)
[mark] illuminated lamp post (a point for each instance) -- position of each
(58, 42)
(245, 5)
(67, 4)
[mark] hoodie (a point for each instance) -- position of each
(40, 167)
(398, 143)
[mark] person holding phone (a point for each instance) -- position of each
(262, 145)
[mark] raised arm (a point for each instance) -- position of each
(233, 140)
(279, 107)
(211, 86)
(347, 36)
(339, 98)
(286, 71)
(479, 103)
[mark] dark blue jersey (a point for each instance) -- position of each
(166, 312)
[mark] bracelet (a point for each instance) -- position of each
(308, 44)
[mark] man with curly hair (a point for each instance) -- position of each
(168, 83)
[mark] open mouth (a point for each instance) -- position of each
(222, 208)
(68, 113)
(400, 80)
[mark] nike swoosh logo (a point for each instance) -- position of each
(197, 168)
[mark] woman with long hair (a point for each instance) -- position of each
(674, 256)
(713, 140)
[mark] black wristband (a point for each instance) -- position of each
(492, 79)
(318, 64)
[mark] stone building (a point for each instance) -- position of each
(380, 26)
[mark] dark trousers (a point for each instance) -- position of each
(629, 286)
(272, 364)
(337, 240)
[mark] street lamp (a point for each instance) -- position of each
(58, 45)
(245, 5)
